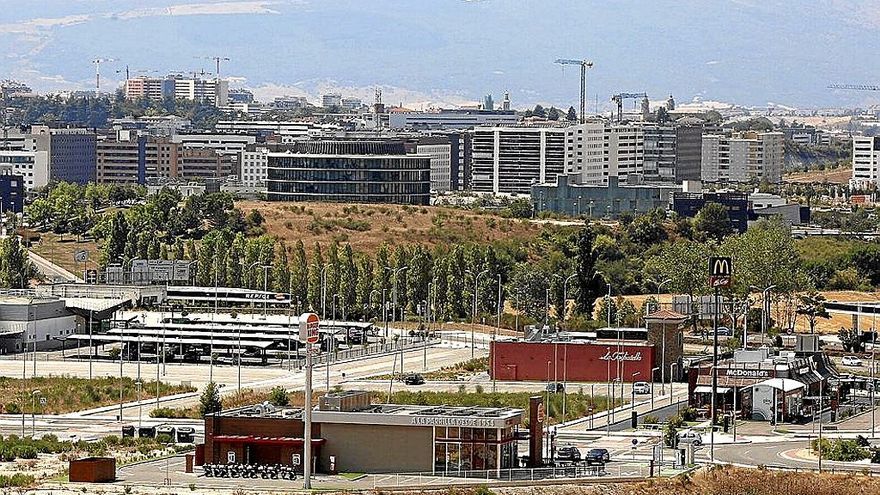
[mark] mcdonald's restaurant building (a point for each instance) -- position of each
(351, 435)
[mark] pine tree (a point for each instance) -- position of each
(365, 286)
(300, 275)
(115, 244)
(233, 262)
(455, 282)
(281, 270)
(349, 282)
(333, 274)
(588, 281)
(401, 266)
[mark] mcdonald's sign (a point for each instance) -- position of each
(720, 272)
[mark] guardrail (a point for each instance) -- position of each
(403, 344)
(565, 473)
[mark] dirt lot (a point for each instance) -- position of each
(60, 251)
(836, 176)
(366, 227)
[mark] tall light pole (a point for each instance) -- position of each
(495, 334)
(36, 393)
(765, 309)
(395, 272)
(659, 286)
(474, 316)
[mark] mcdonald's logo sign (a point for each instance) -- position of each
(720, 272)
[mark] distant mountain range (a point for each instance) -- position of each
(446, 52)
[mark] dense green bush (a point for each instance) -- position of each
(843, 450)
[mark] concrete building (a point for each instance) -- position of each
(268, 127)
(232, 144)
(599, 201)
(38, 322)
(205, 163)
(214, 91)
(865, 162)
(451, 119)
(742, 157)
(252, 166)
(688, 151)
(349, 171)
(626, 150)
(31, 166)
(586, 152)
(440, 149)
(123, 157)
(509, 160)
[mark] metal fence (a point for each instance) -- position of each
(569, 472)
(402, 345)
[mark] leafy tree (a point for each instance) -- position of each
(315, 273)
(209, 402)
(866, 260)
(571, 115)
(529, 285)
(281, 269)
(648, 229)
(662, 116)
(539, 111)
(812, 306)
(588, 281)
(713, 222)
(849, 339)
(278, 397)
(348, 282)
(15, 267)
(299, 273)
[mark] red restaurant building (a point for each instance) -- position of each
(628, 354)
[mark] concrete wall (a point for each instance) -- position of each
(573, 361)
(373, 448)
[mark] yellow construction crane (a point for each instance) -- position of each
(584, 64)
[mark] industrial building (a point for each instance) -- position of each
(350, 434)
(349, 171)
(40, 322)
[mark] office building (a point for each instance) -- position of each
(126, 158)
(440, 149)
(153, 88)
(31, 166)
(205, 163)
(349, 171)
(279, 128)
(240, 95)
(688, 204)
(571, 198)
(742, 157)
(352, 103)
(72, 155)
(865, 162)
(231, 144)
(626, 150)
(688, 150)
(508, 160)
(12, 191)
(451, 119)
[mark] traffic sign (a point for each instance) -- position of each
(43, 401)
(81, 256)
(540, 413)
(635, 441)
(295, 459)
(308, 328)
(720, 272)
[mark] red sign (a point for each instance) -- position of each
(308, 328)
(540, 413)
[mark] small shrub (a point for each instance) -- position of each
(650, 419)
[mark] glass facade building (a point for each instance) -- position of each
(349, 171)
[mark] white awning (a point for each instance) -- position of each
(784, 384)
(705, 389)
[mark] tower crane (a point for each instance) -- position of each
(619, 97)
(584, 64)
(856, 87)
(98, 62)
(217, 60)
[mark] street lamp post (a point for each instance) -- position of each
(653, 374)
(632, 404)
(659, 287)
(474, 315)
(765, 309)
(139, 383)
(34, 395)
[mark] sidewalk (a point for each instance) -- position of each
(622, 412)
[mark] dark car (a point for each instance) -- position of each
(414, 379)
(555, 387)
(597, 456)
(568, 454)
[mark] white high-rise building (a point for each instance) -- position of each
(252, 165)
(441, 162)
(586, 152)
(866, 161)
(508, 160)
(742, 157)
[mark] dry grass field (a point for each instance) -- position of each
(839, 175)
(366, 227)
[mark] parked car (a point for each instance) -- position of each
(414, 379)
(690, 436)
(851, 361)
(597, 456)
(568, 453)
(724, 332)
(555, 387)
(641, 388)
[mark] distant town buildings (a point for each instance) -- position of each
(510, 160)
(743, 157)
(213, 91)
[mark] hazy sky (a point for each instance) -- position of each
(425, 52)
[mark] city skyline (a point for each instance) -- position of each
(453, 53)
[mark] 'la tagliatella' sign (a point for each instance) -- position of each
(621, 356)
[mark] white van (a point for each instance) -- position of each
(641, 388)
(690, 436)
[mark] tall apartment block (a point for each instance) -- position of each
(742, 157)
(508, 160)
(865, 161)
(214, 91)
